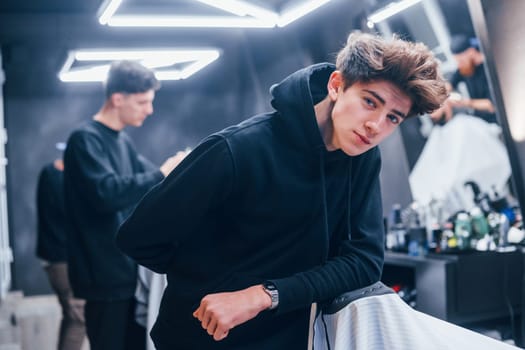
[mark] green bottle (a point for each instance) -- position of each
(463, 230)
(480, 225)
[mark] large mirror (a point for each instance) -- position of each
(457, 156)
(500, 28)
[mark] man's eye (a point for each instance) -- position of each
(393, 118)
(369, 102)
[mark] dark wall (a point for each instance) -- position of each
(34, 125)
(41, 111)
(457, 16)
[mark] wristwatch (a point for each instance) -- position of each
(272, 291)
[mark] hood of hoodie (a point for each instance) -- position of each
(294, 99)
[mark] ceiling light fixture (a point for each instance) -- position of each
(299, 11)
(188, 21)
(242, 8)
(108, 9)
(154, 59)
(247, 15)
(390, 10)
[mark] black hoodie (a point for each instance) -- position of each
(262, 200)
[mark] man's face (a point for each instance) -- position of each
(364, 114)
(135, 108)
(466, 62)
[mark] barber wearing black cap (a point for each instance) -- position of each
(470, 71)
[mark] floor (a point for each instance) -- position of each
(30, 323)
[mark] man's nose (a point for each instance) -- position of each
(372, 126)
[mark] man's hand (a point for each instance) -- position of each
(220, 312)
(172, 162)
(444, 113)
(482, 104)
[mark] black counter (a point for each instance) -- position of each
(461, 288)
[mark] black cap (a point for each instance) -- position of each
(461, 42)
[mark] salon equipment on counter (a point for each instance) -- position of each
(515, 235)
(481, 199)
(417, 236)
(417, 241)
(480, 225)
(448, 240)
(500, 204)
(396, 236)
(463, 230)
(419, 229)
(481, 238)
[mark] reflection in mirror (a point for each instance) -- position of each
(456, 156)
(500, 28)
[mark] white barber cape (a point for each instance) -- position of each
(385, 322)
(148, 294)
(467, 148)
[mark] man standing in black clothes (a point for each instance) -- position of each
(51, 249)
(471, 71)
(104, 179)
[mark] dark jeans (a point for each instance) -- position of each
(72, 327)
(111, 325)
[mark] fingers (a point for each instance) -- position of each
(211, 324)
(218, 313)
(198, 313)
(219, 334)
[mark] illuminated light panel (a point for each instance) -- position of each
(246, 15)
(390, 10)
(242, 8)
(109, 8)
(188, 22)
(159, 60)
(299, 11)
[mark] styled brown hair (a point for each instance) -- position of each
(410, 66)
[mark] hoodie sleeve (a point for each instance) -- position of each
(359, 261)
(89, 167)
(172, 210)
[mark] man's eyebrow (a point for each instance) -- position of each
(382, 100)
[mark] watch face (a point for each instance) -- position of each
(270, 286)
(271, 290)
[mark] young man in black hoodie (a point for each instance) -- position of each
(291, 214)
(104, 178)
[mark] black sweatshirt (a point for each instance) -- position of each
(104, 178)
(259, 201)
(478, 88)
(51, 239)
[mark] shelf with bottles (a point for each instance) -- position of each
(493, 223)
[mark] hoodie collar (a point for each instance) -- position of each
(294, 99)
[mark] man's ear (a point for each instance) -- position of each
(335, 83)
(117, 98)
